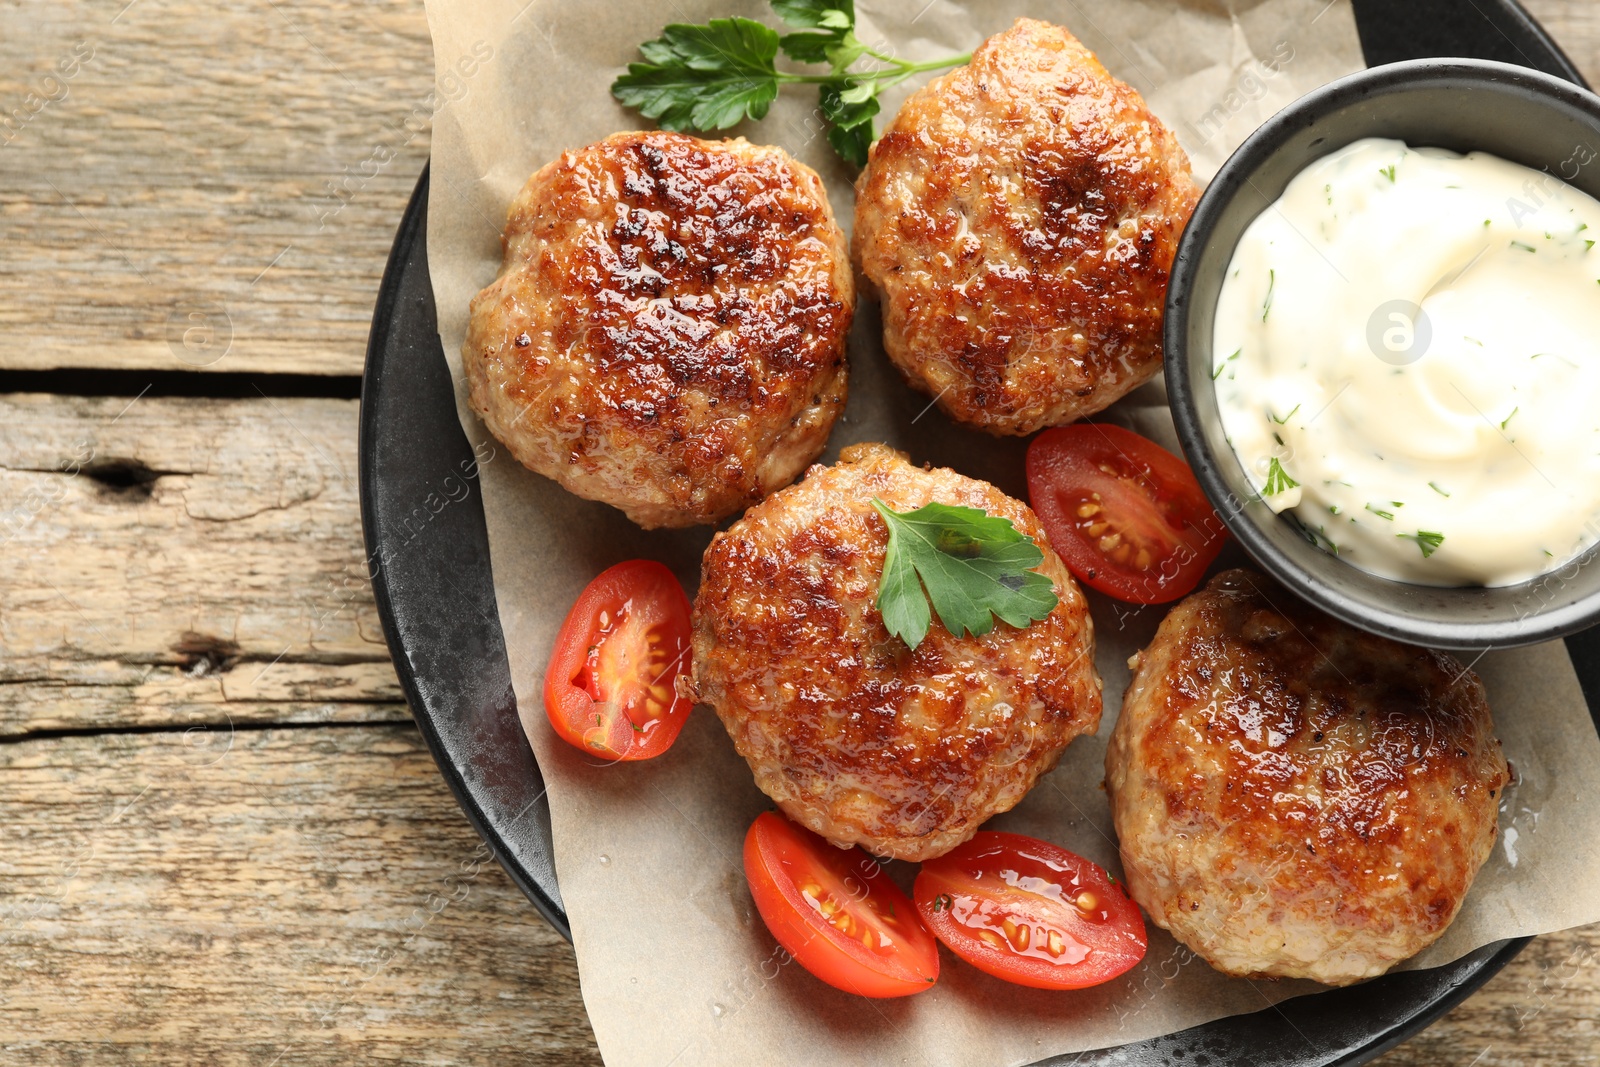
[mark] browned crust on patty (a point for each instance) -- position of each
(667, 331)
(1019, 218)
(853, 734)
(1296, 797)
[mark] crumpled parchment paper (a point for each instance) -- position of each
(676, 967)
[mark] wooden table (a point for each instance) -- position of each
(223, 839)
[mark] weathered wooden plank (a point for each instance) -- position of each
(219, 186)
(179, 561)
(312, 895)
(154, 904)
(1575, 26)
(287, 896)
(1543, 1010)
(243, 162)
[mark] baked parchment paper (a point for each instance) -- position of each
(676, 967)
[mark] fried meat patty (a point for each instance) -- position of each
(1018, 219)
(852, 733)
(1297, 798)
(667, 331)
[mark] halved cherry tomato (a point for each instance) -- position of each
(1030, 912)
(1125, 515)
(610, 686)
(836, 912)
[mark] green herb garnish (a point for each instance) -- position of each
(975, 567)
(1286, 418)
(1278, 480)
(713, 76)
(1272, 283)
(1435, 487)
(1382, 514)
(1387, 172)
(1426, 540)
(1511, 416)
(1223, 365)
(1319, 537)
(1524, 247)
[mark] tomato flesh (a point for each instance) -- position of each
(1030, 912)
(610, 688)
(1126, 516)
(836, 912)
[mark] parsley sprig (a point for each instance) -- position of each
(974, 566)
(713, 76)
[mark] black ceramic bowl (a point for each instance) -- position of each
(1463, 105)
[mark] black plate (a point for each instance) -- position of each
(428, 555)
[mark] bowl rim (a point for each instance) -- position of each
(1541, 624)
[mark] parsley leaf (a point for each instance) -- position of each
(808, 47)
(834, 41)
(704, 77)
(817, 14)
(715, 76)
(849, 115)
(1426, 540)
(974, 567)
(1278, 480)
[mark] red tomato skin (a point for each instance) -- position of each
(827, 955)
(1066, 459)
(571, 709)
(1121, 937)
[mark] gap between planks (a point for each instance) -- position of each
(207, 727)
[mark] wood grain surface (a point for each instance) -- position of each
(221, 839)
(244, 161)
(172, 560)
(279, 896)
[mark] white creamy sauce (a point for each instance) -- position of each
(1455, 446)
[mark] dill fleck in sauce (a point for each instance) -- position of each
(1407, 355)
